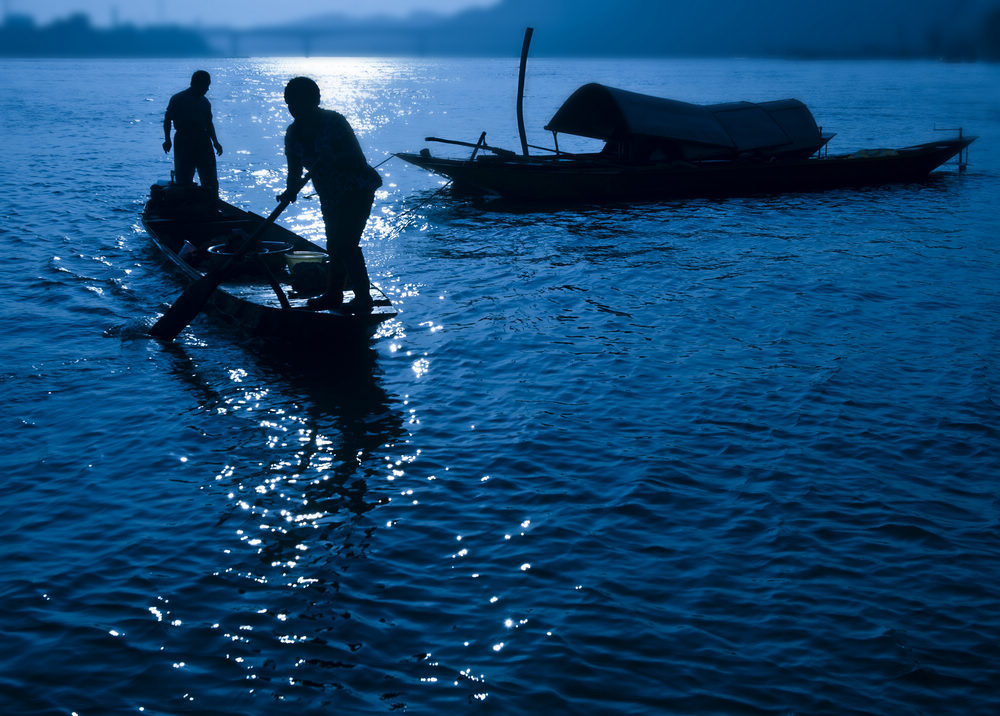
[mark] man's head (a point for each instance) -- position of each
(200, 81)
(301, 96)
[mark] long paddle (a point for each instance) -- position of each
(197, 294)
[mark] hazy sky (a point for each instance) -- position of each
(234, 13)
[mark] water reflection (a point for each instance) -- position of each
(345, 418)
(323, 415)
(299, 487)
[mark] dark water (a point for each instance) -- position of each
(700, 457)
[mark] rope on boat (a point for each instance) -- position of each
(402, 226)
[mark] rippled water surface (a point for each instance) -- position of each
(730, 457)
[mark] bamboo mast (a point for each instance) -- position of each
(520, 90)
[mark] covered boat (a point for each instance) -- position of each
(657, 148)
(638, 127)
(596, 178)
(266, 293)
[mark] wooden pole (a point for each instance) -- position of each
(520, 90)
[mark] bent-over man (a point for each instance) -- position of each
(323, 142)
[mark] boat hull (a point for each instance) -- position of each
(593, 179)
(248, 299)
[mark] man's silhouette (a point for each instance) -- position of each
(322, 141)
(191, 115)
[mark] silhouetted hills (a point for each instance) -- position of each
(955, 29)
(75, 37)
(846, 28)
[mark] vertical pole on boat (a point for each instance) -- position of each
(520, 90)
(963, 156)
(480, 143)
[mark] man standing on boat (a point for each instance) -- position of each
(191, 115)
(323, 142)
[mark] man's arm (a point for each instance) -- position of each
(215, 142)
(166, 131)
(211, 133)
(293, 182)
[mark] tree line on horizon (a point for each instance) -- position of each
(75, 36)
(899, 29)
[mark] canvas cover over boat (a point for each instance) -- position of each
(680, 130)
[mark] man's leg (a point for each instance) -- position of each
(356, 208)
(332, 208)
(184, 160)
(207, 173)
(345, 216)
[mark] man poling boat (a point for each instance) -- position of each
(184, 220)
(248, 269)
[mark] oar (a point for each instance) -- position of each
(275, 284)
(197, 294)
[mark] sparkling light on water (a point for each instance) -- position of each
(692, 457)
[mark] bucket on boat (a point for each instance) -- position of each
(270, 252)
(295, 258)
(308, 269)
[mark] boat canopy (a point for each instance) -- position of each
(688, 131)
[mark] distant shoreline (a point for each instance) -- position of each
(76, 37)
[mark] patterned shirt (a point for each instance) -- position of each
(332, 154)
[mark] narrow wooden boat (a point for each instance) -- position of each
(600, 177)
(192, 231)
(657, 148)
